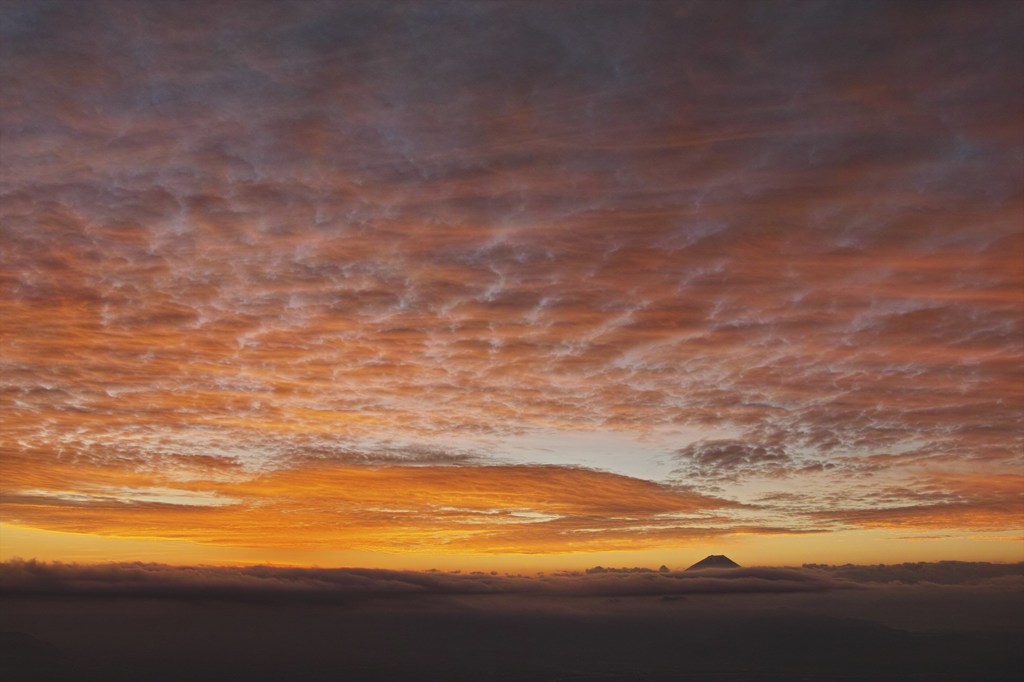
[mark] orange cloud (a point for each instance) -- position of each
(517, 509)
(980, 501)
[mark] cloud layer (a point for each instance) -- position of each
(253, 247)
(124, 621)
(31, 578)
(477, 509)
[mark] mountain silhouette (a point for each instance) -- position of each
(714, 561)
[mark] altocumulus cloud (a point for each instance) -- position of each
(262, 236)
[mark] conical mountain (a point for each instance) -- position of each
(714, 561)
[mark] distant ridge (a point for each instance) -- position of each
(714, 561)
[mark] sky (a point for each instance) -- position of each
(511, 285)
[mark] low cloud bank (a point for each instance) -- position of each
(69, 621)
(937, 573)
(36, 578)
(20, 577)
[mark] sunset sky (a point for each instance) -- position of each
(511, 285)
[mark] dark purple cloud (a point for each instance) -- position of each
(266, 582)
(724, 459)
(936, 573)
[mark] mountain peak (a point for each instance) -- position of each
(714, 561)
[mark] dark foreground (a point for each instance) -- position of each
(479, 638)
